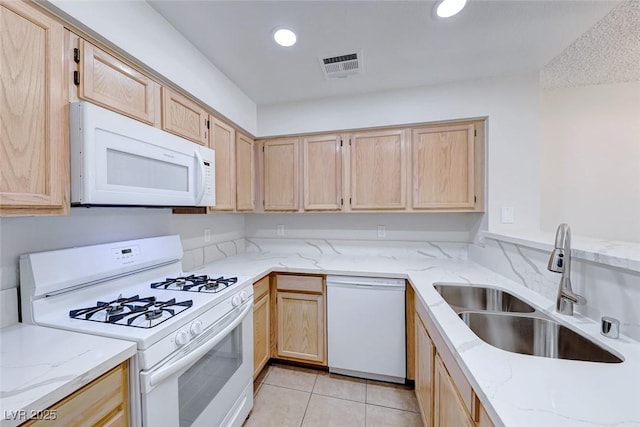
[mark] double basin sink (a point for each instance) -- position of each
(506, 322)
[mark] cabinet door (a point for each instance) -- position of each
(443, 167)
(281, 174)
(223, 141)
(449, 409)
(378, 170)
(322, 172)
(34, 156)
(261, 332)
(183, 117)
(425, 353)
(107, 81)
(105, 400)
(301, 326)
(245, 173)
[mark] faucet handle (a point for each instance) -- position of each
(610, 327)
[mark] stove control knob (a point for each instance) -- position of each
(244, 296)
(182, 338)
(236, 301)
(196, 328)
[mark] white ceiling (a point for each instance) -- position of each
(402, 45)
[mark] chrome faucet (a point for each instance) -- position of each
(560, 262)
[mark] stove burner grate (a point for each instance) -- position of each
(138, 312)
(196, 283)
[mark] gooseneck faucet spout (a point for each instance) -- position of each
(560, 262)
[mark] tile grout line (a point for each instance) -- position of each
(309, 401)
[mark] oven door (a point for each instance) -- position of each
(206, 383)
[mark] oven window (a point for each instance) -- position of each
(201, 383)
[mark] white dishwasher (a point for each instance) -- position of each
(366, 333)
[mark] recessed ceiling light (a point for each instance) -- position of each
(448, 8)
(284, 37)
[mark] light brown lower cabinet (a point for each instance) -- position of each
(261, 325)
(448, 407)
(444, 395)
(103, 402)
(301, 322)
(425, 353)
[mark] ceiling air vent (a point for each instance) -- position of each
(342, 65)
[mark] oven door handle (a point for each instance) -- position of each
(154, 377)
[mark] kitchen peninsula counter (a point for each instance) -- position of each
(40, 366)
(517, 390)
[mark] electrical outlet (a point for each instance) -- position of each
(382, 232)
(280, 229)
(507, 215)
(207, 234)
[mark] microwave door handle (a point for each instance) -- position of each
(201, 174)
(166, 371)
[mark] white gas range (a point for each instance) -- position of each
(194, 331)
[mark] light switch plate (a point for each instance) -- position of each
(382, 232)
(280, 229)
(507, 215)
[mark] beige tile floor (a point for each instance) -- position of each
(293, 396)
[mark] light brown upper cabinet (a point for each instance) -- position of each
(322, 172)
(281, 174)
(223, 140)
(443, 167)
(34, 156)
(378, 170)
(245, 173)
(107, 81)
(183, 117)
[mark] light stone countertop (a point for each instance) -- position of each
(40, 366)
(517, 390)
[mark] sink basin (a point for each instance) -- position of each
(534, 336)
(463, 297)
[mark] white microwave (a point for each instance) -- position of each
(118, 161)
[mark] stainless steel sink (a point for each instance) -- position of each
(463, 297)
(534, 336)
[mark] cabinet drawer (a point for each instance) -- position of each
(299, 283)
(260, 288)
(93, 402)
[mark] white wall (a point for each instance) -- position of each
(437, 227)
(511, 105)
(591, 160)
(136, 28)
(102, 225)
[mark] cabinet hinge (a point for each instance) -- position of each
(76, 78)
(76, 55)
